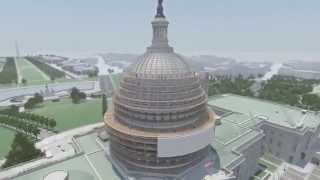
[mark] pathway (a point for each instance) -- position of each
(72, 75)
(53, 144)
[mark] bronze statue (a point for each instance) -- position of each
(160, 10)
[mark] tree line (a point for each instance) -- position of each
(53, 73)
(40, 121)
(20, 125)
(229, 84)
(291, 90)
(282, 89)
(8, 74)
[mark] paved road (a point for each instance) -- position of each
(8, 93)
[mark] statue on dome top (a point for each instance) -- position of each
(160, 13)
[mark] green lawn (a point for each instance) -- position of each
(69, 115)
(31, 73)
(6, 138)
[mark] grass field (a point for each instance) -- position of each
(6, 138)
(31, 73)
(69, 115)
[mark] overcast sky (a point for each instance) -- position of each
(235, 27)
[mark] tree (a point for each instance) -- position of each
(24, 81)
(76, 95)
(22, 150)
(52, 123)
(32, 102)
(52, 78)
(104, 104)
(38, 98)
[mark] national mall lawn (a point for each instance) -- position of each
(69, 115)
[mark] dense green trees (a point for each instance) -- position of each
(228, 84)
(76, 95)
(311, 102)
(32, 102)
(47, 69)
(284, 89)
(20, 125)
(8, 74)
(22, 150)
(40, 121)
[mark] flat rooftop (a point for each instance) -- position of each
(279, 114)
(235, 130)
(91, 165)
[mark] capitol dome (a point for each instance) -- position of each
(160, 93)
(160, 106)
(170, 65)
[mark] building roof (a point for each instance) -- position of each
(234, 131)
(92, 165)
(279, 114)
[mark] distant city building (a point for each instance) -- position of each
(52, 59)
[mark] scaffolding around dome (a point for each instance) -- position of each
(159, 123)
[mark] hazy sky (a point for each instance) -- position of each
(197, 26)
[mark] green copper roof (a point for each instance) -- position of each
(235, 130)
(78, 169)
(93, 165)
(279, 114)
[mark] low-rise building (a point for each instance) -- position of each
(251, 128)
